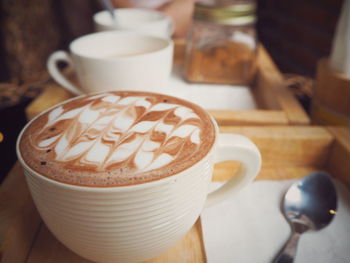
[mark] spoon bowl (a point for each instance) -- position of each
(309, 204)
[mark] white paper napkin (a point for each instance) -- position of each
(211, 96)
(250, 228)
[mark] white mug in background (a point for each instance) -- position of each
(147, 21)
(115, 60)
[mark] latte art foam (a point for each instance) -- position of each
(117, 138)
(103, 136)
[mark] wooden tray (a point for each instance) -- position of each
(276, 104)
(288, 152)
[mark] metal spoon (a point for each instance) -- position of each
(309, 204)
(109, 7)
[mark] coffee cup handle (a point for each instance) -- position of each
(236, 147)
(61, 56)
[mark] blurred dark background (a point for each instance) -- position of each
(296, 33)
(299, 32)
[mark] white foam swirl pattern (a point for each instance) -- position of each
(119, 129)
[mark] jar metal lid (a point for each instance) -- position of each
(236, 14)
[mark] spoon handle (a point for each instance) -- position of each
(109, 7)
(289, 250)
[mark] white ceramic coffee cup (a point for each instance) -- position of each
(138, 222)
(115, 60)
(147, 21)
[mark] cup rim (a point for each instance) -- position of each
(112, 188)
(121, 33)
(96, 16)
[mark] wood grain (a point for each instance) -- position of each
(267, 80)
(288, 152)
(52, 94)
(292, 146)
(189, 250)
(19, 219)
(336, 98)
(249, 117)
(339, 157)
(224, 171)
(271, 92)
(48, 249)
(291, 107)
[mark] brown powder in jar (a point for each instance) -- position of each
(226, 63)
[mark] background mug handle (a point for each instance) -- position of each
(236, 147)
(62, 56)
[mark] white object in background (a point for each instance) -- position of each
(340, 55)
(115, 60)
(147, 21)
(251, 228)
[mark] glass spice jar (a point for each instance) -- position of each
(222, 44)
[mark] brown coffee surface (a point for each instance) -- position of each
(117, 138)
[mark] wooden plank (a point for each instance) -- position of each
(291, 146)
(271, 92)
(224, 171)
(339, 158)
(336, 98)
(268, 77)
(288, 153)
(291, 107)
(19, 220)
(52, 94)
(249, 117)
(48, 249)
(189, 249)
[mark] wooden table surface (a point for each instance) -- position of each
(288, 152)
